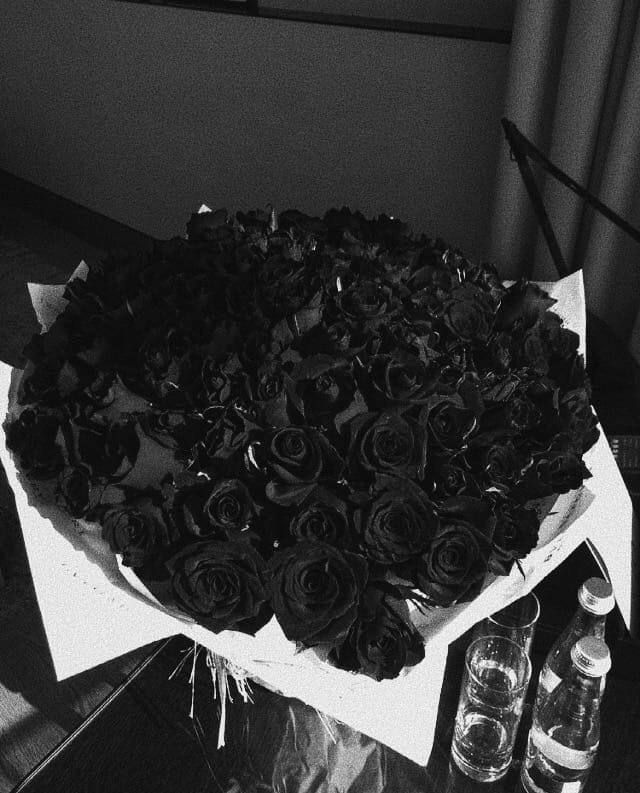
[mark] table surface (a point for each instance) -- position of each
(142, 739)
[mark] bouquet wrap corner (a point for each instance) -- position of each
(94, 609)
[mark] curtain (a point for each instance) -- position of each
(573, 89)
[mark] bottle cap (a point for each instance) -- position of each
(596, 596)
(591, 656)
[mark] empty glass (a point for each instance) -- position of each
(517, 622)
(496, 675)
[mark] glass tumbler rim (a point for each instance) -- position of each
(524, 626)
(496, 637)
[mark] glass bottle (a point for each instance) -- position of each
(595, 601)
(565, 733)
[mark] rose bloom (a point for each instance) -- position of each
(221, 584)
(315, 591)
(457, 559)
(381, 643)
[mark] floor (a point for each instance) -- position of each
(36, 712)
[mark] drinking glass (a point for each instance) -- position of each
(495, 680)
(517, 622)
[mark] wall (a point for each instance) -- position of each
(143, 112)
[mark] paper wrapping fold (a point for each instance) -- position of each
(91, 614)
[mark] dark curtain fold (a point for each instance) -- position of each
(574, 90)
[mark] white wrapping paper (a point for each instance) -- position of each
(91, 614)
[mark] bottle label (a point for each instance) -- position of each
(537, 783)
(549, 680)
(561, 755)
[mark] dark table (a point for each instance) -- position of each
(142, 739)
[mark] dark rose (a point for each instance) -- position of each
(270, 395)
(229, 507)
(468, 313)
(386, 443)
(450, 423)
(333, 338)
(269, 381)
(578, 418)
(521, 414)
(295, 459)
(283, 287)
(429, 285)
(325, 519)
(40, 383)
(535, 350)
(501, 465)
(76, 491)
(33, 438)
(216, 380)
(516, 534)
(553, 471)
(457, 560)
(173, 429)
(221, 585)
(157, 355)
(450, 479)
(203, 508)
(398, 525)
(254, 349)
(500, 352)
(381, 643)
(206, 226)
(239, 299)
(482, 274)
(315, 591)
(522, 306)
(338, 336)
(563, 342)
(399, 379)
(366, 300)
(108, 450)
(342, 223)
(139, 531)
(323, 386)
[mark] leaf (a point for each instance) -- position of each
(288, 495)
(356, 408)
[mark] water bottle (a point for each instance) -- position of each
(565, 733)
(595, 601)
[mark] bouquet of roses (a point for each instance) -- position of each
(314, 419)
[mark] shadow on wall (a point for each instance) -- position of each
(143, 112)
